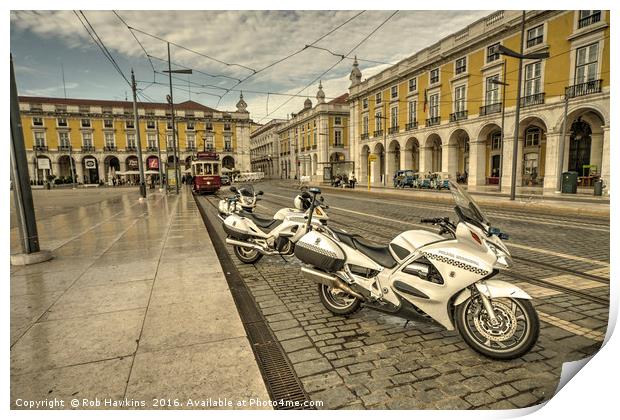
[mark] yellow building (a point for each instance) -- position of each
(316, 138)
(98, 138)
(440, 110)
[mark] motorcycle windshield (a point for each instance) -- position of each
(246, 190)
(466, 204)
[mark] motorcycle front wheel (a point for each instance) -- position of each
(247, 255)
(338, 302)
(512, 335)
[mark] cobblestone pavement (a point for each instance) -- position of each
(373, 360)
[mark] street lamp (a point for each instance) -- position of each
(174, 131)
(510, 53)
(501, 145)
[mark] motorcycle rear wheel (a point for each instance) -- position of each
(247, 255)
(338, 302)
(514, 335)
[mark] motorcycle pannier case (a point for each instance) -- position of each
(319, 251)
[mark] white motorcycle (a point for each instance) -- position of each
(253, 236)
(423, 275)
(245, 199)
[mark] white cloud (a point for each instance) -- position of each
(255, 39)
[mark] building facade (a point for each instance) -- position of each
(98, 138)
(315, 137)
(265, 149)
(451, 107)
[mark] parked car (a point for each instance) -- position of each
(225, 180)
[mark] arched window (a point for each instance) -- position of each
(532, 137)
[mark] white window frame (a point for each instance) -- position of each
(496, 89)
(365, 103)
(338, 139)
(378, 98)
(528, 79)
(415, 83)
(111, 123)
(542, 35)
(530, 139)
(40, 119)
(456, 66)
(86, 134)
(496, 140)
(412, 111)
(392, 90)
(59, 119)
(434, 107)
(394, 116)
(430, 76)
(460, 103)
(43, 143)
(105, 139)
(378, 120)
(131, 143)
(365, 124)
(337, 120)
(151, 140)
(190, 140)
(577, 65)
(62, 134)
(82, 123)
(486, 53)
(150, 124)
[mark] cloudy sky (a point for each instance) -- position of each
(225, 43)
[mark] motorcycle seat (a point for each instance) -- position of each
(259, 221)
(376, 252)
(345, 237)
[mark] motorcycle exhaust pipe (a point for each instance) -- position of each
(260, 249)
(320, 277)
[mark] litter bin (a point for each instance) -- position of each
(569, 182)
(598, 187)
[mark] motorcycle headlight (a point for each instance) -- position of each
(503, 259)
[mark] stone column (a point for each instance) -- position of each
(78, 171)
(101, 169)
(426, 159)
(507, 164)
(551, 163)
(477, 164)
(55, 168)
(605, 168)
(449, 159)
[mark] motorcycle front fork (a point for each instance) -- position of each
(488, 307)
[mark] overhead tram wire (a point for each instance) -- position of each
(197, 71)
(97, 40)
(137, 40)
(295, 53)
(335, 64)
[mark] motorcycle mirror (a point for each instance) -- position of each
(233, 189)
(260, 193)
(503, 236)
(494, 231)
(315, 190)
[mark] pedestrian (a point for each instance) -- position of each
(152, 181)
(352, 181)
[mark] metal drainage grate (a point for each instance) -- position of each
(280, 379)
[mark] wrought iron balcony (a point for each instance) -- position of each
(589, 20)
(433, 121)
(64, 148)
(491, 109)
(393, 130)
(535, 99)
(411, 125)
(314, 146)
(40, 148)
(458, 116)
(88, 148)
(151, 148)
(109, 148)
(170, 149)
(131, 149)
(190, 149)
(581, 89)
(228, 148)
(338, 145)
(364, 136)
(377, 133)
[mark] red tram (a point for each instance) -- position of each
(206, 173)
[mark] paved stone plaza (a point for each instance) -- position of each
(373, 360)
(126, 310)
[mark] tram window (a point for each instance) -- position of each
(207, 169)
(215, 169)
(198, 169)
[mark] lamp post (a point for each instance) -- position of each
(174, 131)
(510, 53)
(501, 145)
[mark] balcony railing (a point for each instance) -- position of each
(377, 133)
(40, 148)
(458, 115)
(411, 125)
(131, 149)
(170, 149)
(589, 20)
(110, 148)
(151, 148)
(64, 148)
(491, 109)
(393, 130)
(314, 146)
(228, 148)
(432, 121)
(364, 136)
(88, 148)
(593, 86)
(190, 149)
(338, 145)
(535, 99)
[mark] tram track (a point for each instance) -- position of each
(513, 274)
